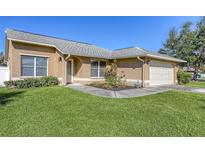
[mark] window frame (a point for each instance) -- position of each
(35, 66)
(98, 69)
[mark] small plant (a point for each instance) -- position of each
(32, 82)
(110, 70)
(112, 79)
(111, 76)
(183, 77)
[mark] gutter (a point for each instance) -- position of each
(140, 59)
(166, 58)
(35, 43)
(30, 42)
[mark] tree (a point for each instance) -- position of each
(171, 44)
(199, 53)
(188, 44)
(2, 62)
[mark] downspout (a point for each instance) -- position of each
(65, 68)
(67, 57)
(140, 59)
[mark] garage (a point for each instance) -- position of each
(161, 73)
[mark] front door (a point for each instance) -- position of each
(69, 72)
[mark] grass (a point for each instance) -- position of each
(60, 111)
(197, 84)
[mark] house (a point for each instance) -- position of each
(34, 55)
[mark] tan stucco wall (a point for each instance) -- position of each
(82, 67)
(146, 71)
(16, 49)
(176, 69)
(132, 68)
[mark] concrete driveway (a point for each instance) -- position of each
(132, 92)
(185, 88)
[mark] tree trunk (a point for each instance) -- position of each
(196, 71)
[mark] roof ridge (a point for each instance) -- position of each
(135, 47)
(124, 48)
(49, 36)
(144, 50)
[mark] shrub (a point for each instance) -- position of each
(49, 81)
(111, 76)
(110, 71)
(183, 77)
(9, 83)
(114, 81)
(32, 82)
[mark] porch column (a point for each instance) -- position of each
(64, 72)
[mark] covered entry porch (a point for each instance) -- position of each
(84, 69)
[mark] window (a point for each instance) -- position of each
(41, 66)
(97, 69)
(27, 66)
(33, 66)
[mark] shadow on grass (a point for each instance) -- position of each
(6, 97)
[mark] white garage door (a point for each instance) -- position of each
(161, 73)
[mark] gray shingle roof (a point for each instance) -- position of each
(65, 46)
(136, 51)
(82, 49)
(128, 52)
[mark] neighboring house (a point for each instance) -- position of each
(189, 69)
(201, 74)
(34, 55)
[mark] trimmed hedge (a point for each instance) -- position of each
(183, 77)
(32, 82)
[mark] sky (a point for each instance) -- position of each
(107, 32)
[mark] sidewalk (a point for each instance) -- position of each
(118, 94)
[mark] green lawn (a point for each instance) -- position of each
(60, 111)
(197, 84)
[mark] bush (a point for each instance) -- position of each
(32, 82)
(111, 76)
(115, 81)
(183, 77)
(106, 85)
(110, 70)
(9, 83)
(49, 81)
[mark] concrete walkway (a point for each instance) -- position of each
(132, 92)
(117, 94)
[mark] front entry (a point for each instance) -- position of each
(70, 71)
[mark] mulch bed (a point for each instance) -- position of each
(116, 88)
